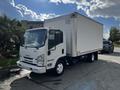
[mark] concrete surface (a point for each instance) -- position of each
(103, 74)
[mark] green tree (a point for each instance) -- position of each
(11, 32)
(114, 34)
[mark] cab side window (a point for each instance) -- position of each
(55, 38)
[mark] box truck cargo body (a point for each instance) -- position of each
(82, 34)
(62, 39)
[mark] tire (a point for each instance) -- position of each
(59, 68)
(112, 50)
(96, 56)
(91, 57)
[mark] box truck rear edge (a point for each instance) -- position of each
(63, 40)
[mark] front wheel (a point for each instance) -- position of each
(59, 68)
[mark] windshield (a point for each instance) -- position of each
(35, 38)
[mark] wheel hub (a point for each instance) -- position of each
(93, 57)
(59, 68)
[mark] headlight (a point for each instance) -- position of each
(40, 60)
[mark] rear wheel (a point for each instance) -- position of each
(92, 57)
(96, 56)
(111, 50)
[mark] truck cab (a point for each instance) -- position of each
(42, 50)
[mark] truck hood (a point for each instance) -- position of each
(31, 52)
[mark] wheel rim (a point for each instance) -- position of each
(93, 57)
(59, 68)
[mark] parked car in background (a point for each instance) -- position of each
(108, 46)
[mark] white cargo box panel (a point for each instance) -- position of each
(83, 35)
(89, 35)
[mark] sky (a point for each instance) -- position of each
(106, 12)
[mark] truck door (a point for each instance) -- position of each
(56, 47)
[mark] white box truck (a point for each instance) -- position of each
(62, 40)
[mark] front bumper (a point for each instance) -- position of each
(32, 68)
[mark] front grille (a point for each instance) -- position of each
(28, 59)
(31, 64)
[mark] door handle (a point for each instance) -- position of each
(49, 52)
(62, 51)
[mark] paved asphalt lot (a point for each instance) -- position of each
(103, 74)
